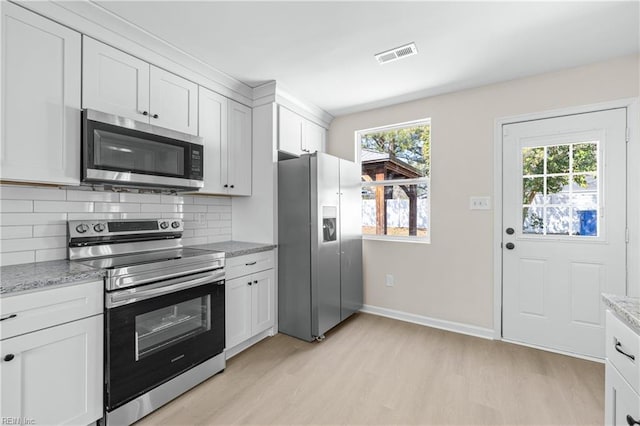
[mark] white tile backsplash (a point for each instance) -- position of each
(33, 220)
(10, 232)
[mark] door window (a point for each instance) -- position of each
(561, 190)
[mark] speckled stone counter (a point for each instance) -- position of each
(16, 279)
(627, 308)
(236, 248)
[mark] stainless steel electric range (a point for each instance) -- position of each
(164, 311)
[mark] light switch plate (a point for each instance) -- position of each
(480, 203)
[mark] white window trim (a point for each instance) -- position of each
(427, 179)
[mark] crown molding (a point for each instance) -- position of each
(98, 23)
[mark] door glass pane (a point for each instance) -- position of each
(167, 326)
(560, 190)
(137, 155)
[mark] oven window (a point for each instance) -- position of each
(118, 151)
(156, 330)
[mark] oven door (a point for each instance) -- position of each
(156, 335)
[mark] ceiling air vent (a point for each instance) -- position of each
(397, 53)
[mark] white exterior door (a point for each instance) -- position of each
(564, 227)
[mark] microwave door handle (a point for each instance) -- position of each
(125, 297)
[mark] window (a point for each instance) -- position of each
(395, 181)
(560, 193)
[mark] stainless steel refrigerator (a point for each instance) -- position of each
(319, 244)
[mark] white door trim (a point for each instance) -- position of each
(633, 194)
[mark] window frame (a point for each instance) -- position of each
(426, 180)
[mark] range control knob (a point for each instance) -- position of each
(99, 227)
(82, 228)
(175, 224)
(164, 225)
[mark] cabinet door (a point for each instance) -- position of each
(313, 137)
(212, 119)
(55, 375)
(40, 99)
(114, 82)
(239, 149)
(620, 399)
(289, 131)
(237, 311)
(173, 101)
(262, 301)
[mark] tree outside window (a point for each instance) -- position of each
(395, 180)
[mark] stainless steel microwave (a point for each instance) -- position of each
(121, 151)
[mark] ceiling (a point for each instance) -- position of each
(323, 52)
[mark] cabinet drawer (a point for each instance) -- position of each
(248, 264)
(621, 338)
(34, 311)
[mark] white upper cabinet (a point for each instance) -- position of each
(289, 131)
(174, 101)
(40, 99)
(118, 83)
(313, 137)
(212, 113)
(239, 149)
(225, 126)
(297, 135)
(114, 82)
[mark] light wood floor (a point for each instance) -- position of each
(374, 370)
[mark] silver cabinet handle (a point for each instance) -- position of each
(9, 317)
(136, 294)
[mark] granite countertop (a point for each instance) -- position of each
(627, 308)
(15, 279)
(236, 248)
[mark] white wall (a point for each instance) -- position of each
(33, 220)
(452, 278)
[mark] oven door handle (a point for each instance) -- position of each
(124, 297)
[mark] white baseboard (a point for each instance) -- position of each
(456, 327)
(557, 351)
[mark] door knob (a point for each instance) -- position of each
(12, 356)
(631, 421)
(510, 246)
(155, 116)
(510, 231)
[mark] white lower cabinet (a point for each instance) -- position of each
(54, 376)
(622, 374)
(250, 299)
(52, 373)
(622, 403)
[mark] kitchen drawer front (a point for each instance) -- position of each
(249, 264)
(621, 338)
(34, 311)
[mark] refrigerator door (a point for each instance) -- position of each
(294, 248)
(350, 238)
(325, 244)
